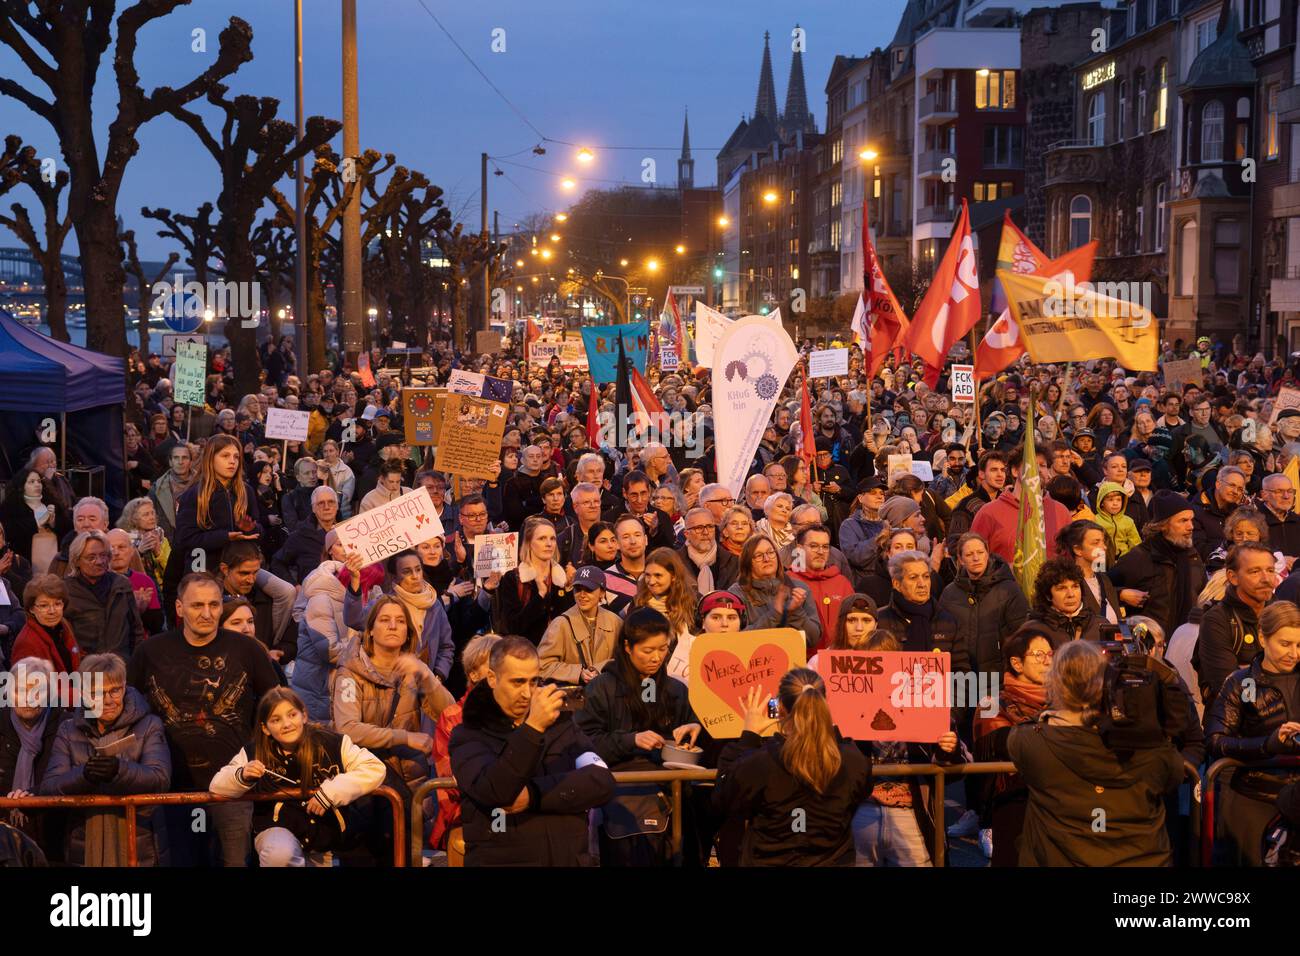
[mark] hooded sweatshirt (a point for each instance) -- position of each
(1121, 533)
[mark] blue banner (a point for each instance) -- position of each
(601, 343)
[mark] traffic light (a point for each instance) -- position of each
(638, 315)
(717, 273)
(763, 310)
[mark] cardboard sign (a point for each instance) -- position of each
(570, 352)
(1286, 398)
(669, 361)
(725, 666)
(923, 470)
(287, 424)
(1181, 372)
(485, 342)
(495, 553)
(962, 379)
(400, 525)
(419, 423)
(470, 440)
(824, 363)
(171, 339)
(898, 465)
(190, 387)
(887, 695)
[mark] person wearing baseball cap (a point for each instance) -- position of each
(1139, 503)
(579, 642)
(1164, 574)
(859, 530)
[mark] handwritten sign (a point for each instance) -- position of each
(962, 378)
(827, 362)
(470, 440)
(899, 465)
(495, 552)
(724, 667)
(171, 339)
(191, 372)
(1179, 373)
(887, 695)
(287, 424)
(485, 342)
(400, 525)
(923, 470)
(1286, 398)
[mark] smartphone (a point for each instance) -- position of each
(574, 696)
(773, 708)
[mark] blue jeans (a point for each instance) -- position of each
(888, 836)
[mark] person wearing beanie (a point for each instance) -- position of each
(903, 511)
(1163, 575)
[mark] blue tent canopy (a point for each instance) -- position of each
(41, 374)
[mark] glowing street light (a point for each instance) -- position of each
(532, 251)
(561, 217)
(567, 183)
(652, 265)
(585, 155)
(769, 197)
(724, 222)
(546, 253)
(868, 155)
(555, 237)
(519, 263)
(681, 250)
(623, 263)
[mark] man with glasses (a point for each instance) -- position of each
(1278, 498)
(828, 584)
(572, 538)
(717, 499)
(712, 567)
(1202, 425)
(636, 495)
(807, 516)
(1212, 506)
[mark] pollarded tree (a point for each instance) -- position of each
(143, 284)
(61, 43)
(19, 165)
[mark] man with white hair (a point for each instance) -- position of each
(295, 504)
(572, 538)
(46, 462)
(302, 550)
(591, 469)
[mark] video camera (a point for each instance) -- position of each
(1143, 702)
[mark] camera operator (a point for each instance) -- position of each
(1250, 721)
(1089, 805)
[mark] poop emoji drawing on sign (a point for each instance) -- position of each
(882, 721)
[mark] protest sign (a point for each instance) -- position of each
(724, 667)
(191, 373)
(495, 552)
(1286, 398)
(469, 443)
(382, 532)
(962, 379)
(485, 342)
(1179, 373)
(170, 340)
(887, 695)
(824, 363)
(898, 465)
(418, 409)
(601, 343)
(709, 326)
(363, 369)
(923, 470)
(465, 383)
(751, 363)
(287, 424)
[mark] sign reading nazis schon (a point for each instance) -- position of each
(400, 525)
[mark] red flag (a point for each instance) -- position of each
(531, 334)
(593, 413)
(1002, 344)
(807, 448)
(951, 306)
(883, 318)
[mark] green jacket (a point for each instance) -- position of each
(1121, 532)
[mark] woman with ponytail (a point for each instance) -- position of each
(803, 773)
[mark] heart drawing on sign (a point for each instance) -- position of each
(729, 678)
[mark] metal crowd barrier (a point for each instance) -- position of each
(133, 801)
(938, 795)
(1212, 779)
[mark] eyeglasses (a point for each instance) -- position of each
(1041, 656)
(725, 502)
(1283, 492)
(702, 527)
(47, 607)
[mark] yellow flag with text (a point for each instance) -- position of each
(1061, 321)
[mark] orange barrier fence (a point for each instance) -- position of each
(132, 802)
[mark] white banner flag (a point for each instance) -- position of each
(751, 363)
(709, 326)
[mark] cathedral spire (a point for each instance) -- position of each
(686, 165)
(765, 104)
(797, 115)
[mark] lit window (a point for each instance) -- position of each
(1097, 120)
(1162, 95)
(1272, 148)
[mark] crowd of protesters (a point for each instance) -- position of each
(238, 648)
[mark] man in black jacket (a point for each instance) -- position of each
(240, 562)
(528, 776)
(1164, 574)
(1278, 498)
(636, 494)
(1229, 637)
(295, 505)
(1213, 506)
(303, 549)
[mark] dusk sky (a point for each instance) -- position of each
(584, 72)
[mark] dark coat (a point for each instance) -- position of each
(1207, 530)
(755, 786)
(1228, 640)
(20, 524)
(662, 536)
(1085, 625)
(518, 608)
(986, 610)
(1170, 576)
(301, 553)
(608, 720)
(1284, 532)
(295, 506)
(493, 761)
(10, 746)
(941, 634)
(212, 540)
(1070, 774)
(726, 568)
(114, 626)
(1246, 729)
(144, 766)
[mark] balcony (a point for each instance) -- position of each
(1075, 161)
(935, 214)
(1288, 105)
(929, 165)
(935, 109)
(1286, 201)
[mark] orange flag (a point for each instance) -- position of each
(882, 323)
(1002, 344)
(951, 306)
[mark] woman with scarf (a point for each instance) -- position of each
(1058, 604)
(985, 600)
(26, 745)
(140, 520)
(1027, 657)
(116, 748)
(46, 634)
(35, 519)
(102, 608)
(736, 528)
(525, 600)
(775, 522)
(433, 641)
(774, 598)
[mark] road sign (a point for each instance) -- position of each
(686, 290)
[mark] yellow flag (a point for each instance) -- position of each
(1064, 322)
(1292, 471)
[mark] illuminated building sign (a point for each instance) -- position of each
(1099, 76)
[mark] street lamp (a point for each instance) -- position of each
(623, 263)
(555, 237)
(567, 183)
(652, 265)
(519, 263)
(724, 222)
(546, 253)
(769, 197)
(585, 155)
(681, 250)
(868, 155)
(561, 217)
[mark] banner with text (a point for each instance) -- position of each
(286, 424)
(191, 372)
(887, 695)
(382, 532)
(470, 440)
(725, 666)
(601, 343)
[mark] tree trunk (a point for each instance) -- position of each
(56, 297)
(104, 279)
(142, 319)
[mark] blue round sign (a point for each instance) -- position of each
(183, 312)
